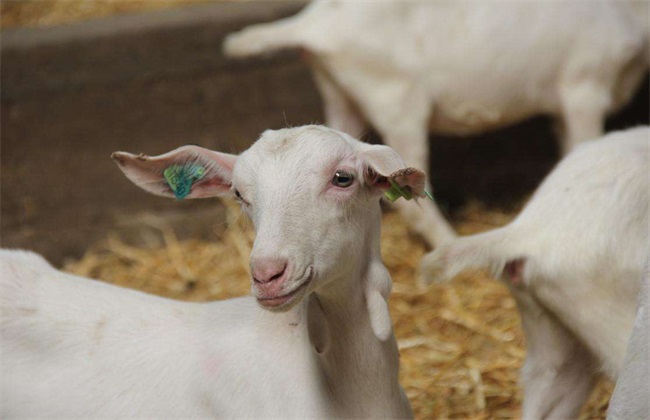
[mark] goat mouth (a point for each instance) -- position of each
(277, 302)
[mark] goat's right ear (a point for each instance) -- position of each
(383, 168)
(186, 172)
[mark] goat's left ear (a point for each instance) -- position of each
(186, 172)
(383, 167)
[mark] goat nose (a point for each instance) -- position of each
(268, 270)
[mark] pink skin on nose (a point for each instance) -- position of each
(269, 277)
(265, 270)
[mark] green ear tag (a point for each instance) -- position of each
(396, 191)
(181, 177)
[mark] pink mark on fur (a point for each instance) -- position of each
(515, 271)
(211, 364)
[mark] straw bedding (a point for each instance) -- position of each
(461, 343)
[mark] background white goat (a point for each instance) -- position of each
(408, 68)
(631, 398)
(573, 260)
(316, 339)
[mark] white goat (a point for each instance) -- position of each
(631, 398)
(573, 260)
(408, 68)
(315, 341)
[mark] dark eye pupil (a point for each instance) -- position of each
(238, 195)
(342, 179)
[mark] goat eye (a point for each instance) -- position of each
(343, 179)
(238, 195)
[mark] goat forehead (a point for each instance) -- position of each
(292, 154)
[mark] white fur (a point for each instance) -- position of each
(410, 67)
(573, 259)
(74, 347)
(631, 398)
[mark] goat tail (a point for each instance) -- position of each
(263, 38)
(490, 250)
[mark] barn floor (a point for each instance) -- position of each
(461, 343)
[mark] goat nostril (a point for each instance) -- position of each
(278, 275)
(268, 272)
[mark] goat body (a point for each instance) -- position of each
(315, 342)
(631, 398)
(408, 68)
(573, 260)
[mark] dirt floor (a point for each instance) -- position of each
(461, 343)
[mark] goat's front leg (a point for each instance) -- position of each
(340, 112)
(557, 375)
(583, 114)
